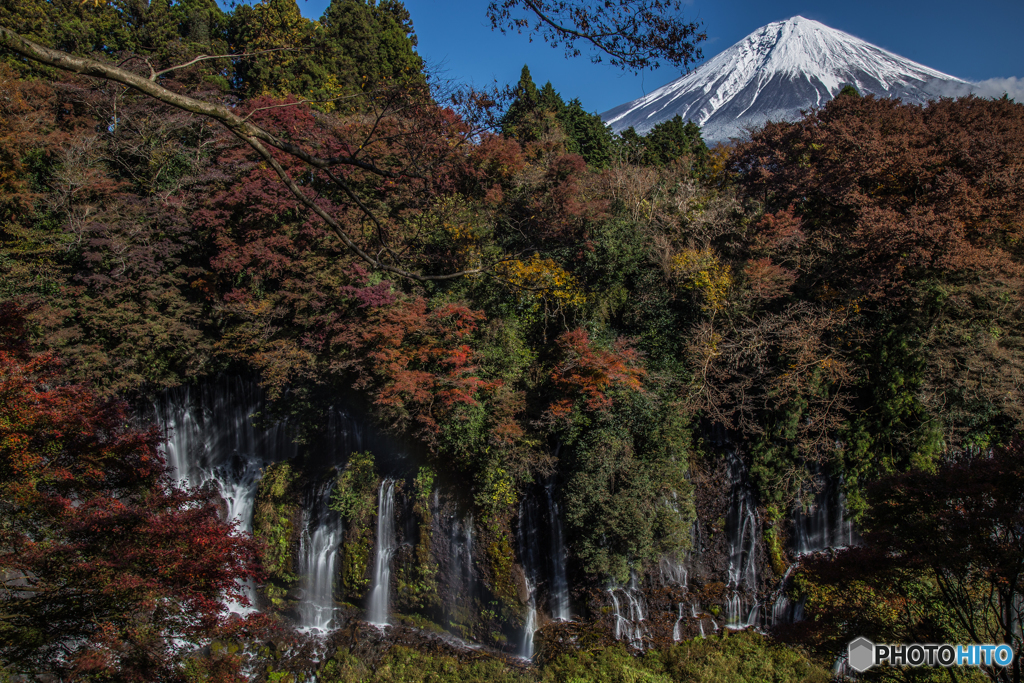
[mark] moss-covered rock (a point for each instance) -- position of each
(417, 580)
(355, 497)
(276, 523)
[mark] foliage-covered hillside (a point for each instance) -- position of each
(838, 298)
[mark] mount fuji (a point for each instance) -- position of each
(775, 72)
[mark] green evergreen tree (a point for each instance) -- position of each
(520, 121)
(282, 39)
(549, 100)
(365, 43)
(164, 31)
(629, 147)
(538, 113)
(673, 139)
(850, 90)
(356, 46)
(586, 134)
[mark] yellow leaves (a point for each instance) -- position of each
(701, 271)
(460, 232)
(257, 307)
(503, 491)
(330, 90)
(455, 226)
(539, 278)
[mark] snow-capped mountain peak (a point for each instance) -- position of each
(775, 72)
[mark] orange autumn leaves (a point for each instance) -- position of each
(420, 366)
(586, 373)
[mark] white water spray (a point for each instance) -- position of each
(318, 554)
(380, 596)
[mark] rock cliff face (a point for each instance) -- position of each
(774, 73)
(358, 533)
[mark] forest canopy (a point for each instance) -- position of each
(617, 323)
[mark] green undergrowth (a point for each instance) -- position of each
(417, 581)
(745, 657)
(733, 658)
(274, 523)
(355, 497)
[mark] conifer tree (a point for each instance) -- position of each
(520, 121)
(673, 139)
(356, 46)
(850, 90)
(586, 134)
(278, 30)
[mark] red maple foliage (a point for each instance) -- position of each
(107, 569)
(418, 364)
(891, 192)
(586, 372)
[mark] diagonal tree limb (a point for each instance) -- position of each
(290, 183)
(253, 135)
(219, 112)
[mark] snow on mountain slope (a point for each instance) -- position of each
(775, 72)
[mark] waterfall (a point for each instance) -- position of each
(460, 544)
(620, 622)
(632, 623)
(212, 441)
(559, 581)
(318, 553)
(742, 527)
(700, 621)
(378, 606)
(672, 572)
(529, 624)
(780, 610)
(458, 582)
(732, 609)
(823, 525)
(528, 552)
(677, 629)
(781, 606)
(468, 569)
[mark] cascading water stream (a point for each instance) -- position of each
(700, 622)
(559, 556)
(529, 551)
(742, 525)
(212, 441)
(377, 612)
(672, 573)
(824, 524)
(461, 553)
(318, 554)
(620, 622)
(529, 623)
(468, 569)
(630, 624)
(677, 629)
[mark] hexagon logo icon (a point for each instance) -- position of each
(861, 654)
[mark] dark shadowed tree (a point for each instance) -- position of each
(943, 562)
(106, 570)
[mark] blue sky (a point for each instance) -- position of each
(975, 41)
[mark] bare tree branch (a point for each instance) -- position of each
(202, 58)
(253, 135)
(634, 34)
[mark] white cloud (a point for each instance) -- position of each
(996, 87)
(993, 87)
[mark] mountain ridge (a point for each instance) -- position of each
(774, 73)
